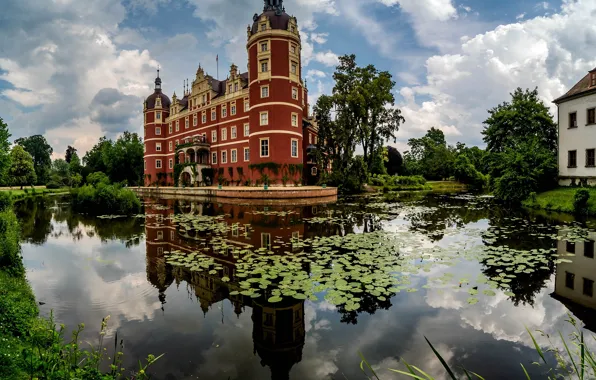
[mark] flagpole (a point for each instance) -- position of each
(217, 61)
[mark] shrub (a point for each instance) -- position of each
(96, 178)
(5, 200)
(580, 201)
(53, 185)
(105, 199)
(10, 249)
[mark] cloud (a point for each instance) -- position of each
(520, 16)
(113, 110)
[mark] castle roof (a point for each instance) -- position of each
(581, 88)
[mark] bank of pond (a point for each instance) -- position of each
(285, 291)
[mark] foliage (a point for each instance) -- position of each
(22, 171)
(430, 156)
(207, 174)
(69, 153)
(4, 152)
(272, 167)
(94, 160)
(105, 199)
(520, 170)
(465, 172)
(580, 201)
(391, 183)
(5, 200)
(38, 147)
(394, 162)
(560, 200)
(96, 178)
(10, 250)
(350, 182)
(521, 139)
(378, 161)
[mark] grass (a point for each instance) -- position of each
(446, 185)
(573, 361)
(560, 200)
(18, 194)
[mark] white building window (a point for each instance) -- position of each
(170, 144)
(246, 154)
(264, 91)
(195, 120)
(213, 114)
(177, 125)
(204, 118)
(214, 158)
(158, 115)
(233, 155)
(213, 136)
(186, 122)
(171, 163)
(158, 164)
(224, 134)
(246, 130)
(170, 128)
(264, 46)
(235, 87)
(224, 157)
(233, 132)
(158, 147)
(233, 109)
(265, 147)
(294, 93)
(294, 120)
(224, 111)
(294, 147)
(264, 66)
(294, 68)
(264, 118)
(204, 99)
(157, 130)
(246, 105)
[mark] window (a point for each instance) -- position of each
(313, 170)
(158, 102)
(233, 132)
(593, 79)
(246, 154)
(264, 46)
(265, 240)
(213, 136)
(246, 105)
(590, 157)
(233, 109)
(186, 122)
(233, 155)
(230, 89)
(158, 115)
(170, 128)
(264, 66)
(295, 93)
(570, 247)
(264, 91)
(263, 27)
(591, 117)
(158, 147)
(214, 158)
(170, 146)
(177, 125)
(293, 48)
(589, 249)
(569, 280)
(294, 150)
(195, 120)
(246, 130)
(573, 120)
(224, 111)
(294, 68)
(588, 288)
(157, 130)
(171, 163)
(204, 99)
(224, 134)
(572, 159)
(264, 118)
(294, 120)
(293, 29)
(213, 114)
(158, 164)
(235, 86)
(264, 147)
(203, 118)
(224, 157)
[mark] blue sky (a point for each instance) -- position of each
(78, 70)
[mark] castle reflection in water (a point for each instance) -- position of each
(278, 329)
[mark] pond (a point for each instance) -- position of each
(240, 291)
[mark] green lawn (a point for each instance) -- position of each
(560, 199)
(29, 192)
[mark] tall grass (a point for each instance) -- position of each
(573, 361)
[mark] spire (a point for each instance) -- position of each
(158, 81)
(273, 5)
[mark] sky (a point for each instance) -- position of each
(78, 70)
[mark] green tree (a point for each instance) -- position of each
(22, 170)
(430, 156)
(124, 159)
(38, 147)
(525, 117)
(94, 158)
(75, 164)
(465, 172)
(394, 163)
(4, 152)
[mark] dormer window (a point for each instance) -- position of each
(263, 46)
(592, 79)
(230, 89)
(293, 29)
(235, 86)
(204, 99)
(263, 27)
(158, 102)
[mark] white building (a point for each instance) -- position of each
(577, 133)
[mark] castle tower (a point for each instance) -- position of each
(156, 109)
(276, 91)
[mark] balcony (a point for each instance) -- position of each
(195, 143)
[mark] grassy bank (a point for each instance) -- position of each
(446, 186)
(32, 347)
(18, 194)
(560, 200)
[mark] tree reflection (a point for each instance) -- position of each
(35, 218)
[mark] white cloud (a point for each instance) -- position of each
(327, 58)
(520, 16)
(312, 74)
(319, 38)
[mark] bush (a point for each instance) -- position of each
(53, 185)
(10, 249)
(96, 178)
(105, 199)
(580, 201)
(5, 200)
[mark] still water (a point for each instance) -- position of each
(232, 291)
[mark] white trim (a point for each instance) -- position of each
(261, 147)
(208, 126)
(276, 77)
(276, 104)
(297, 148)
(230, 143)
(276, 131)
(232, 160)
(156, 138)
(244, 153)
(261, 117)
(159, 155)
